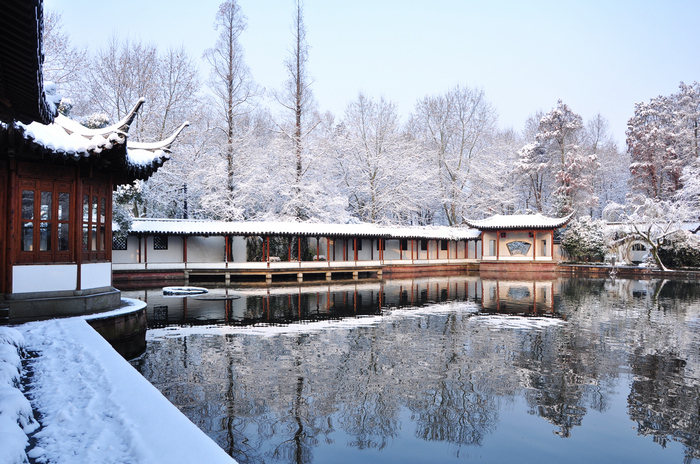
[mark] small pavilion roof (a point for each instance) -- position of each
(67, 141)
(518, 222)
(293, 229)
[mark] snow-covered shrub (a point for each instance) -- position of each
(584, 240)
(681, 249)
(96, 121)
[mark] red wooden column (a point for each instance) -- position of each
(145, 250)
(289, 248)
(78, 218)
(318, 248)
(299, 248)
(534, 245)
(13, 214)
(412, 247)
(184, 250)
(268, 248)
(345, 249)
(498, 244)
(354, 247)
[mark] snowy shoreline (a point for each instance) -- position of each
(92, 405)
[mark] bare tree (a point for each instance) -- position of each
(230, 80)
(379, 164)
(64, 64)
(297, 98)
(454, 127)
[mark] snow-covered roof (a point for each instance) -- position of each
(307, 229)
(69, 141)
(22, 93)
(518, 221)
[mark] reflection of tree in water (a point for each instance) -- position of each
(662, 404)
(563, 377)
(369, 397)
(278, 399)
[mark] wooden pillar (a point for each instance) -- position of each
(145, 249)
(78, 222)
(354, 248)
(140, 251)
(5, 208)
(534, 245)
(299, 248)
(328, 249)
(13, 214)
(267, 239)
(345, 249)
(289, 248)
(412, 243)
(184, 249)
(318, 248)
(498, 244)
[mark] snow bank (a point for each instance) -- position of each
(510, 322)
(16, 417)
(271, 330)
(95, 407)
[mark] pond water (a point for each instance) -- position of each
(458, 369)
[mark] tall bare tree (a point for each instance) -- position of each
(230, 80)
(297, 98)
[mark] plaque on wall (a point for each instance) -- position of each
(518, 247)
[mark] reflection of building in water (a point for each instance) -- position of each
(285, 304)
(518, 296)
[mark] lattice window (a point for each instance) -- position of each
(160, 242)
(119, 243)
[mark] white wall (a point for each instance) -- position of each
(95, 275)
(44, 278)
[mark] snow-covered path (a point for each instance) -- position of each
(95, 407)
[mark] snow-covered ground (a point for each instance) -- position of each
(93, 406)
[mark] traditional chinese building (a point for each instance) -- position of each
(56, 183)
(518, 242)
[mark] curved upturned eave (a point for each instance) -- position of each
(122, 127)
(160, 145)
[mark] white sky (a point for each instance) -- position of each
(597, 56)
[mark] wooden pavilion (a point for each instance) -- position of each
(56, 183)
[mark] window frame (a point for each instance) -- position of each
(52, 232)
